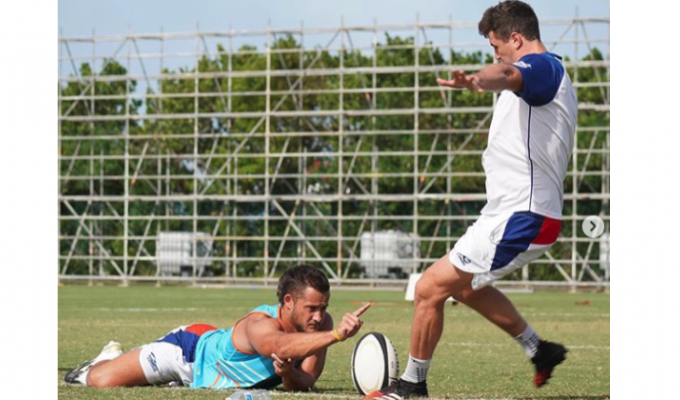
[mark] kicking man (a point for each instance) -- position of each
(530, 141)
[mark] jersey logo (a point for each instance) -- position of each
(522, 64)
(464, 259)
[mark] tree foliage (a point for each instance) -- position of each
(193, 150)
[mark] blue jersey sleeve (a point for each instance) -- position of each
(542, 75)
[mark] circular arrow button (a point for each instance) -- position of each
(593, 226)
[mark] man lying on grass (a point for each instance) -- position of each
(272, 345)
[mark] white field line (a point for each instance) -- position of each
(145, 309)
(472, 344)
(532, 314)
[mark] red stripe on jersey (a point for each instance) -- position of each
(550, 230)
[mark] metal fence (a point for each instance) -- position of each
(288, 146)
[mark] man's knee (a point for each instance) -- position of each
(441, 281)
(429, 293)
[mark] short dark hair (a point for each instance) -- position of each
(507, 17)
(295, 280)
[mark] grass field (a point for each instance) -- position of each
(474, 359)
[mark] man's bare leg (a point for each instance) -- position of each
(438, 283)
(443, 280)
(124, 370)
(495, 307)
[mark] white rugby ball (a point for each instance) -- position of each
(374, 363)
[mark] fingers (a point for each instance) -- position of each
(362, 309)
(280, 361)
(281, 367)
(276, 358)
(352, 318)
(458, 80)
(444, 82)
(458, 75)
(350, 325)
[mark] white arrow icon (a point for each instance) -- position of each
(593, 226)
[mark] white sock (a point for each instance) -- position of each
(416, 370)
(529, 341)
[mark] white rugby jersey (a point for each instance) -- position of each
(530, 140)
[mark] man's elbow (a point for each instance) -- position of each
(282, 348)
(513, 79)
(285, 349)
(285, 352)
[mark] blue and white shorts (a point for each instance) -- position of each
(494, 246)
(171, 357)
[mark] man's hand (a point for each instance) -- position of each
(281, 367)
(461, 81)
(351, 323)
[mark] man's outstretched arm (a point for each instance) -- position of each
(493, 78)
(266, 337)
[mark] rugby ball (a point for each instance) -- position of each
(374, 363)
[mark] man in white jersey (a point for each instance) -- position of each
(530, 142)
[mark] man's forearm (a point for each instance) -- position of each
(496, 78)
(302, 345)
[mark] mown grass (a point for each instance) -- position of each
(473, 360)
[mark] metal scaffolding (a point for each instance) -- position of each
(286, 146)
